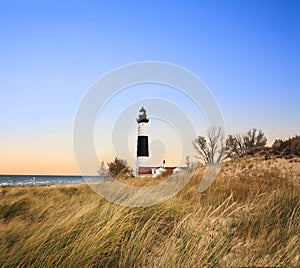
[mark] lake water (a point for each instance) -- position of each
(23, 180)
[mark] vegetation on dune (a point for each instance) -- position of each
(214, 148)
(117, 168)
(248, 144)
(287, 148)
(248, 217)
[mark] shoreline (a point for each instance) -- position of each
(43, 185)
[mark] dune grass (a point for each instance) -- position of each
(249, 217)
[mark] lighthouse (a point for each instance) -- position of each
(142, 152)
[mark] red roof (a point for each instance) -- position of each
(169, 168)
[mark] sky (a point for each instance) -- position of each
(51, 52)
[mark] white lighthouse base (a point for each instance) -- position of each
(142, 161)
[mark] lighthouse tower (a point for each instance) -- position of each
(142, 142)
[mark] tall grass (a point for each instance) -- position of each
(248, 217)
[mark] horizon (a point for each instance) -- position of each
(52, 52)
(96, 175)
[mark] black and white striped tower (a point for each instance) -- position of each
(142, 141)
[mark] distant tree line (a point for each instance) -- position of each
(214, 148)
(286, 148)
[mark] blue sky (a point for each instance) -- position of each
(247, 52)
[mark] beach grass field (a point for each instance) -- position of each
(250, 216)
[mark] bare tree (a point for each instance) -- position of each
(211, 149)
(249, 143)
(235, 146)
(102, 170)
(187, 161)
